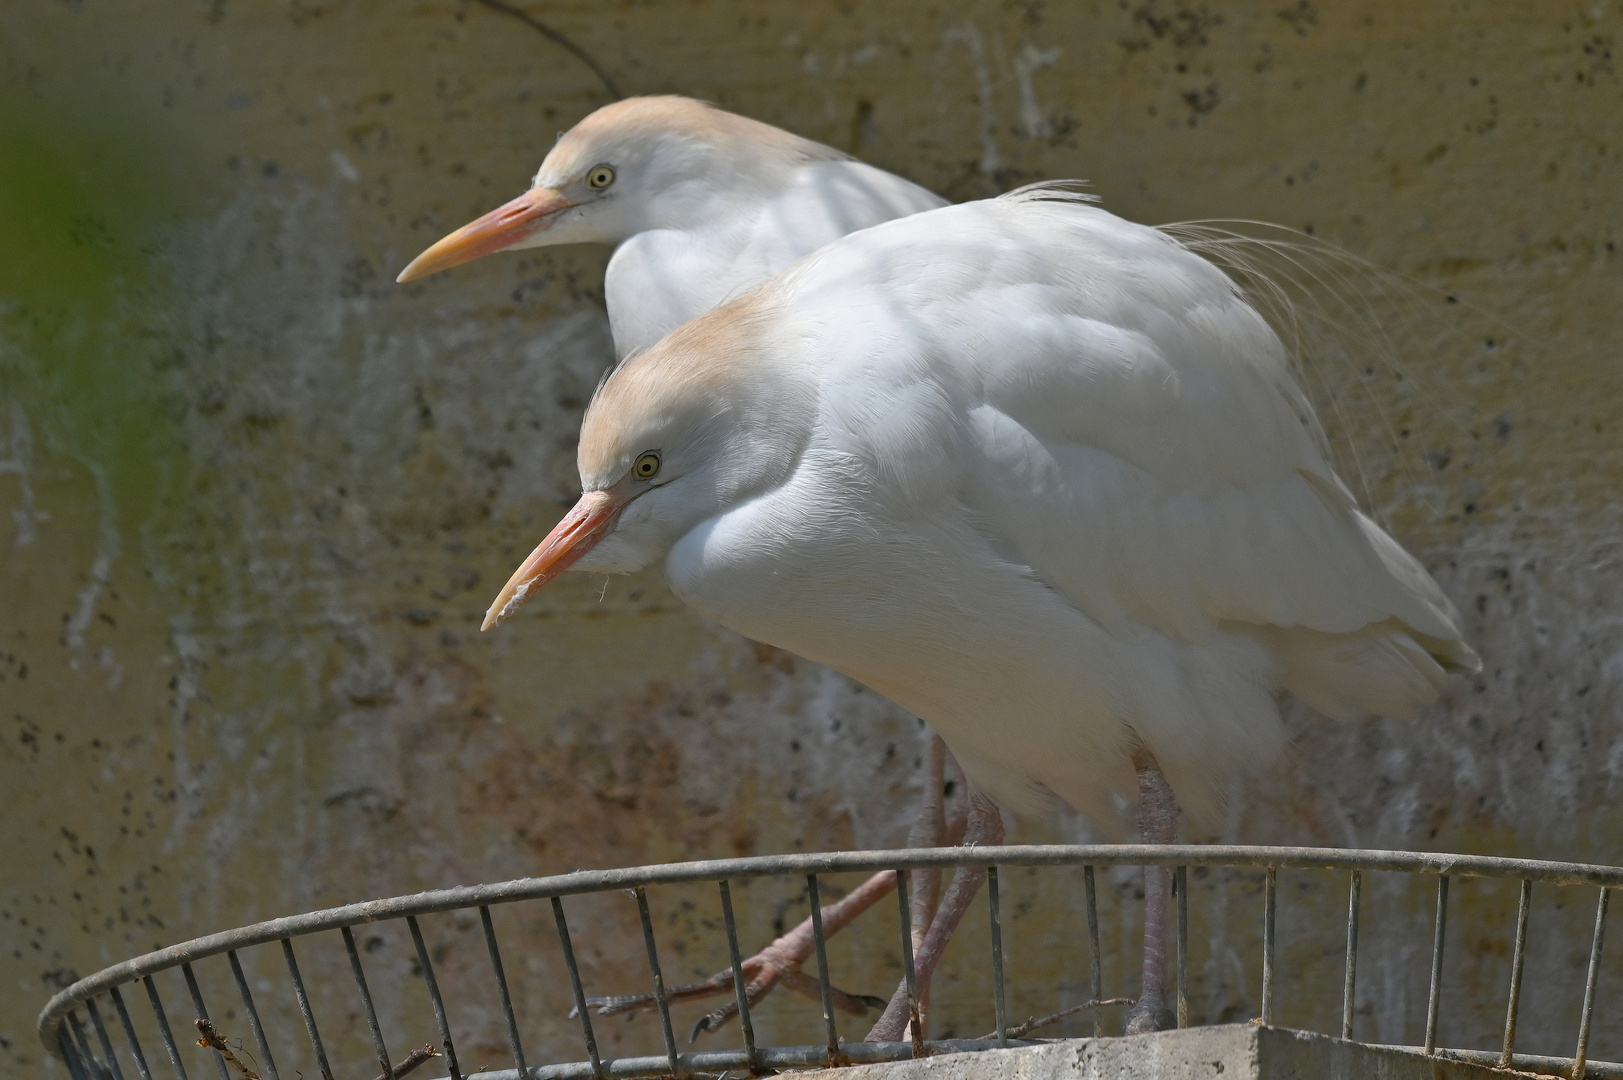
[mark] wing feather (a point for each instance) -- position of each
(1133, 434)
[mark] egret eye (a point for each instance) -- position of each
(600, 177)
(646, 467)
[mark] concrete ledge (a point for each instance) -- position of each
(1229, 1052)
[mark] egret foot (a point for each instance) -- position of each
(1145, 1017)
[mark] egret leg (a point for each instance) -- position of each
(1158, 819)
(984, 827)
(780, 962)
(930, 830)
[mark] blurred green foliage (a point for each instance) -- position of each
(84, 306)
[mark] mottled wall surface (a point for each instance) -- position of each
(256, 496)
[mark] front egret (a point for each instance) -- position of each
(1037, 474)
(702, 205)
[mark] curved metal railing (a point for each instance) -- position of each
(67, 1035)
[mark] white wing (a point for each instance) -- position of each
(1132, 434)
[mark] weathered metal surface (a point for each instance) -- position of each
(61, 1012)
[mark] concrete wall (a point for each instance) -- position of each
(256, 495)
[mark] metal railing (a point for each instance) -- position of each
(68, 1035)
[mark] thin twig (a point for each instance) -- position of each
(410, 1062)
(1020, 1030)
(557, 39)
(214, 1039)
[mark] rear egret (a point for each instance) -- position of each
(701, 205)
(1042, 477)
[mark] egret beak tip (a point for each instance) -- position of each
(508, 224)
(592, 519)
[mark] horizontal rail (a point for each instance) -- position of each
(711, 870)
(1526, 1063)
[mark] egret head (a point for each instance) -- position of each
(639, 164)
(705, 419)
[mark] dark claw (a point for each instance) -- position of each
(712, 1021)
(871, 1001)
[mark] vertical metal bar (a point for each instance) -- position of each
(1516, 974)
(101, 1035)
(93, 1066)
(1270, 891)
(253, 1015)
(822, 971)
(580, 992)
(366, 1000)
(129, 1033)
(305, 1011)
(1096, 980)
(1180, 885)
(997, 957)
(77, 1069)
(1349, 984)
(163, 1027)
(740, 989)
(433, 985)
(202, 1014)
(659, 981)
(909, 973)
(501, 989)
(1436, 964)
(1581, 1057)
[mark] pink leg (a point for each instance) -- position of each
(931, 830)
(1158, 818)
(985, 827)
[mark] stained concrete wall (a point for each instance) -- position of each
(257, 495)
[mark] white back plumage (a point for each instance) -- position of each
(661, 278)
(1060, 495)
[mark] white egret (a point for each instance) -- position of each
(1039, 475)
(701, 205)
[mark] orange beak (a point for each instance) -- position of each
(590, 521)
(501, 228)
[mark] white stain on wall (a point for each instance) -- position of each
(16, 459)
